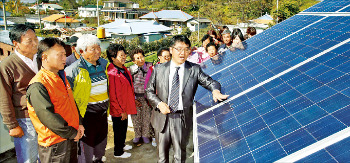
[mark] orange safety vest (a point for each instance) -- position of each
(62, 98)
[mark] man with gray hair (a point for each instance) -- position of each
(227, 41)
(88, 79)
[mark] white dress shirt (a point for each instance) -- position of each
(181, 77)
(32, 64)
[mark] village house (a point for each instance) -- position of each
(61, 21)
(147, 30)
(177, 19)
(122, 9)
(89, 11)
(46, 7)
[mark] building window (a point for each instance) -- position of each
(1, 52)
(8, 53)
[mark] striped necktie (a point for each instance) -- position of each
(174, 94)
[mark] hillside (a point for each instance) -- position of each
(230, 11)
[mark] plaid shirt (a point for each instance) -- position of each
(139, 78)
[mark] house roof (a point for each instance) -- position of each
(93, 6)
(68, 20)
(59, 18)
(123, 1)
(7, 22)
(132, 26)
(266, 19)
(122, 9)
(56, 6)
(201, 20)
(177, 15)
(5, 38)
(16, 20)
(4, 35)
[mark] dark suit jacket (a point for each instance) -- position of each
(158, 90)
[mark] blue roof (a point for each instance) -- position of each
(5, 38)
(4, 35)
(265, 17)
(130, 27)
(168, 14)
(8, 22)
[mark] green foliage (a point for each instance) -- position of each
(186, 31)
(149, 57)
(194, 37)
(68, 4)
(47, 33)
(226, 11)
(150, 48)
(286, 10)
(92, 21)
(147, 47)
(16, 8)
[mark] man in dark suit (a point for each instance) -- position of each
(173, 114)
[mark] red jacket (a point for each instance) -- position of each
(121, 92)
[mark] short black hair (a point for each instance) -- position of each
(205, 37)
(180, 38)
(18, 30)
(46, 44)
(160, 51)
(136, 51)
(112, 51)
(237, 32)
(211, 44)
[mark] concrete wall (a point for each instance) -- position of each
(151, 37)
(5, 50)
(126, 37)
(6, 140)
(50, 25)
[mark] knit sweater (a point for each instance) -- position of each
(15, 76)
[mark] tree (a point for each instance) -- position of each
(287, 9)
(16, 8)
(68, 4)
(186, 31)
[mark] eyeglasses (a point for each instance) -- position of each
(186, 50)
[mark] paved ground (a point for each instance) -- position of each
(140, 152)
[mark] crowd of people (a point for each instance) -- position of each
(56, 107)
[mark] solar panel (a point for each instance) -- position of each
(289, 93)
(328, 6)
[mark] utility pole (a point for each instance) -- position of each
(4, 11)
(198, 18)
(37, 7)
(97, 14)
(277, 11)
(198, 23)
(65, 19)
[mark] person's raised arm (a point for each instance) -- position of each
(207, 82)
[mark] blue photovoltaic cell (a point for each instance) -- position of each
(347, 9)
(300, 107)
(328, 6)
(338, 152)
